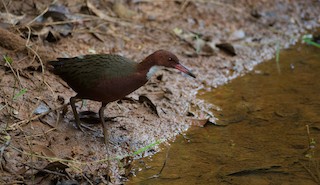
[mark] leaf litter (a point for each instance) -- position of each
(191, 29)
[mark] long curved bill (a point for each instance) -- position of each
(184, 70)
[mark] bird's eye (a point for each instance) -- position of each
(170, 59)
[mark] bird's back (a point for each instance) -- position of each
(98, 64)
(85, 73)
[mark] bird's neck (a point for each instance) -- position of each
(148, 67)
(152, 71)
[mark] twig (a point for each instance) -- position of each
(184, 5)
(87, 127)
(20, 123)
(5, 6)
(23, 122)
(310, 172)
(45, 11)
(105, 17)
(87, 179)
(164, 164)
(59, 22)
(14, 182)
(39, 58)
(70, 160)
(309, 138)
(29, 145)
(3, 106)
(43, 134)
(45, 170)
(15, 73)
(231, 7)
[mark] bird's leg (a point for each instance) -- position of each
(75, 113)
(104, 125)
(105, 135)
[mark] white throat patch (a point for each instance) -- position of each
(152, 70)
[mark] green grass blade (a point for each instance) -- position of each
(7, 59)
(141, 150)
(20, 93)
(312, 43)
(278, 56)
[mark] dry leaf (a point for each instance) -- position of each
(122, 11)
(43, 150)
(98, 12)
(227, 48)
(10, 18)
(149, 103)
(200, 43)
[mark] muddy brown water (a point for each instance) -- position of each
(268, 133)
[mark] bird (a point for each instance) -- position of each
(109, 77)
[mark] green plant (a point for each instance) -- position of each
(308, 39)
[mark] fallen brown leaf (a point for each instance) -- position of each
(227, 48)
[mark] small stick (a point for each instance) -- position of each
(45, 170)
(33, 20)
(20, 123)
(23, 122)
(310, 172)
(87, 179)
(309, 138)
(164, 164)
